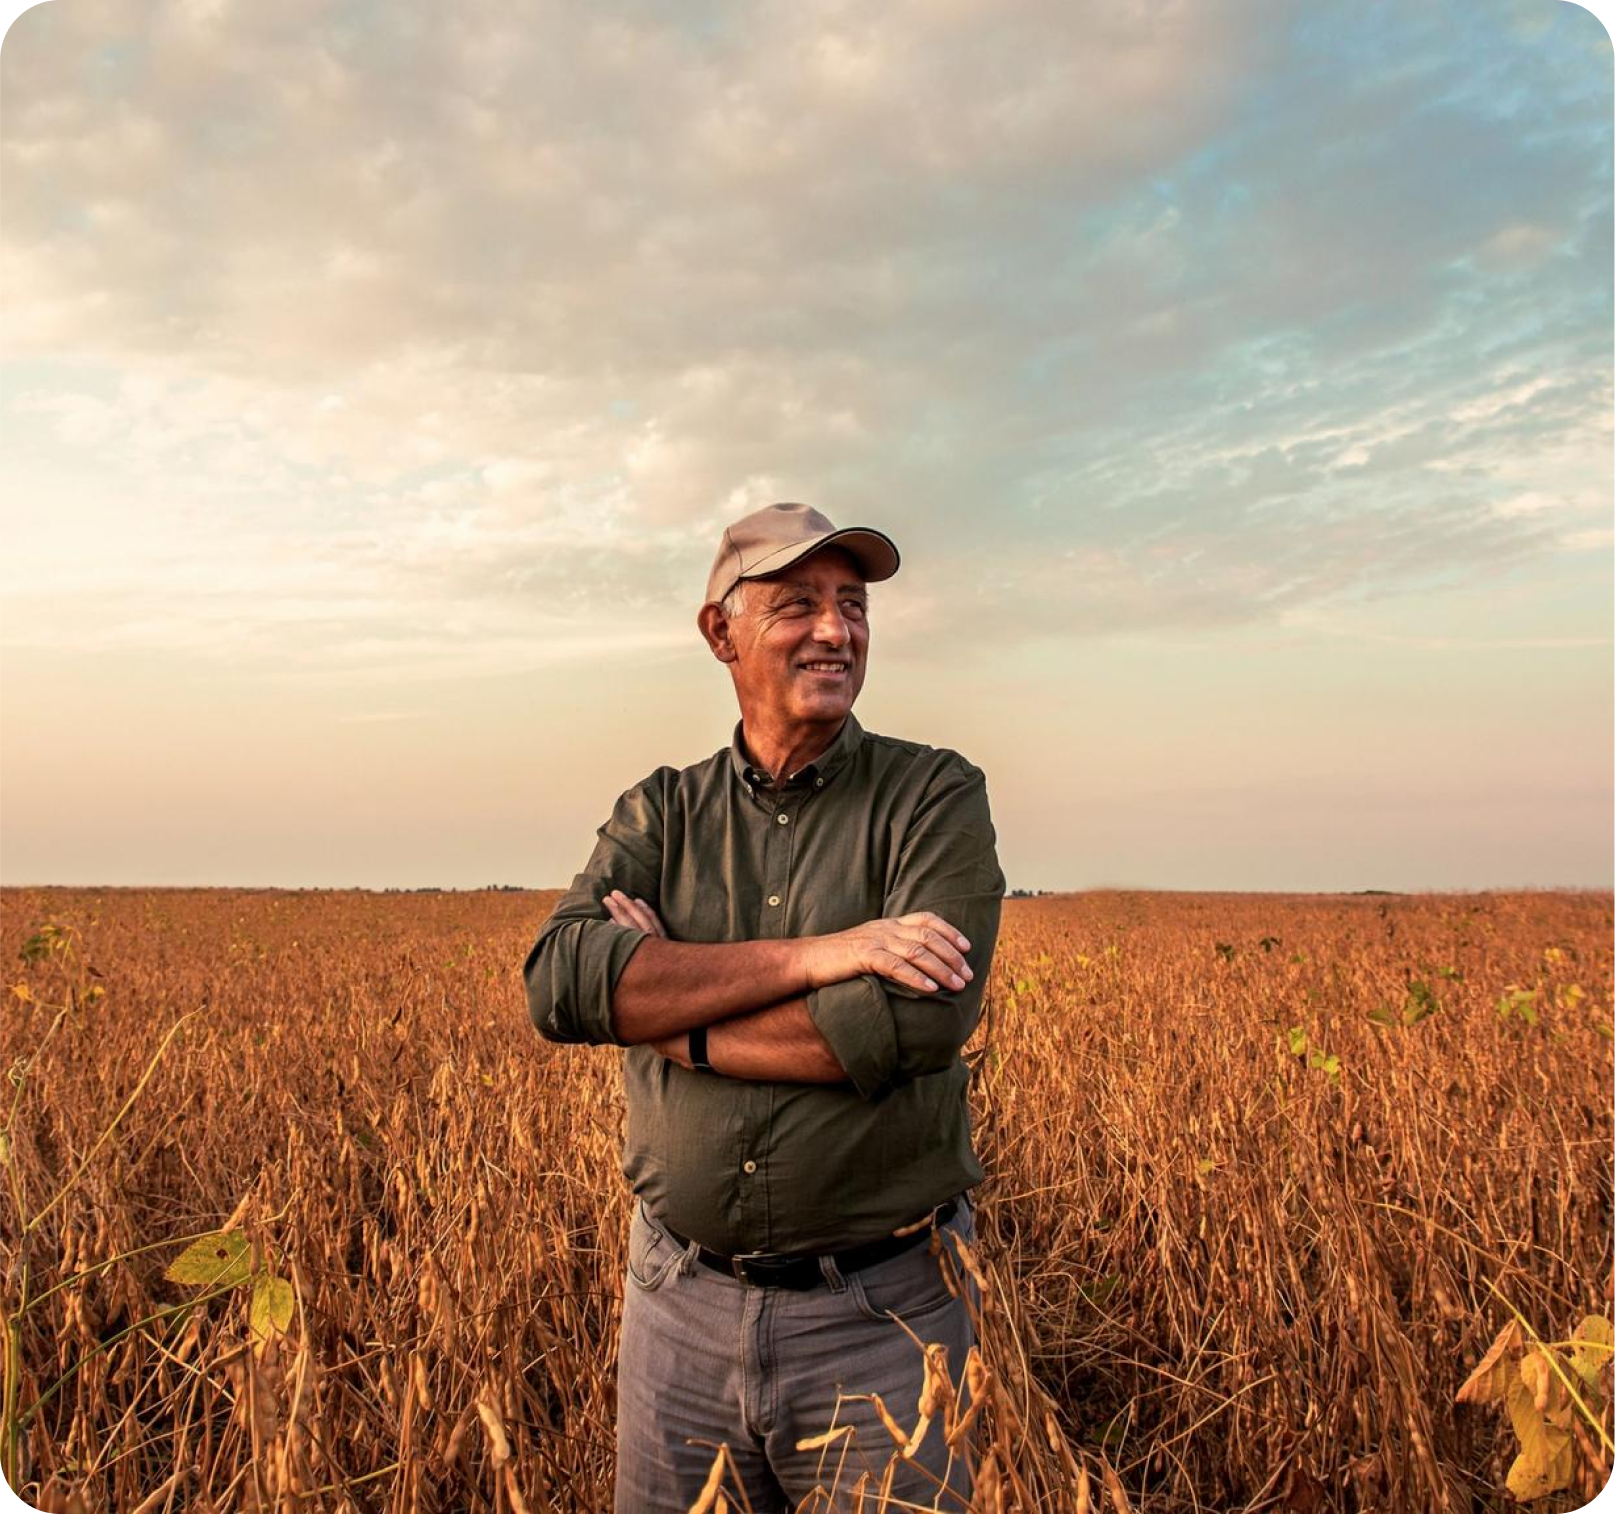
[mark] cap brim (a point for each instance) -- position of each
(875, 553)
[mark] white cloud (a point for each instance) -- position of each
(527, 306)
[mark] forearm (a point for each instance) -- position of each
(668, 987)
(777, 1044)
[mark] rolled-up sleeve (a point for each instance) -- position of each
(573, 968)
(882, 1033)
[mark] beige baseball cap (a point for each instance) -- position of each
(770, 540)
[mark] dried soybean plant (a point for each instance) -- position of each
(1266, 1177)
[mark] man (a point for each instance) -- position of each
(791, 938)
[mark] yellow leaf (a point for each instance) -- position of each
(1594, 1341)
(23, 992)
(1546, 1458)
(1489, 1381)
(273, 1303)
(219, 1260)
(1536, 1474)
(1548, 1392)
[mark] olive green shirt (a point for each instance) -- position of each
(875, 828)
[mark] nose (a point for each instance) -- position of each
(831, 626)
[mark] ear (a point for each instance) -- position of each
(714, 626)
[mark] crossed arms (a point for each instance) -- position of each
(753, 994)
(877, 1004)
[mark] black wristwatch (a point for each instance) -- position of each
(698, 1050)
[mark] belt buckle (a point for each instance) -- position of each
(754, 1267)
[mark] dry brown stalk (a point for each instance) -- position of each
(1226, 1275)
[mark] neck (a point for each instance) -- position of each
(785, 750)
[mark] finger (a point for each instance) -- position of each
(940, 945)
(621, 909)
(653, 918)
(933, 954)
(637, 913)
(899, 969)
(645, 917)
(935, 922)
(945, 972)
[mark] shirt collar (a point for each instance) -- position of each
(818, 772)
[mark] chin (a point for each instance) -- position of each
(829, 708)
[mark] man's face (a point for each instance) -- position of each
(802, 641)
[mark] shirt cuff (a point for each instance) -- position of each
(855, 1019)
(578, 969)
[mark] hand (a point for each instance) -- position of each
(633, 912)
(919, 951)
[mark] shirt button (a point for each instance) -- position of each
(783, 818)
(749, 1167)
(774, 900)
(818, 783)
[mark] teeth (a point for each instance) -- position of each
(824, 667)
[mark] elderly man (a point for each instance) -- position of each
(791, 938)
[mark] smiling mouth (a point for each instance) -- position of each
(824, 667)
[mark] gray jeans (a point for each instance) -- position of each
(707, 1360)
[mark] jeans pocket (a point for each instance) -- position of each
(652, 1254)
(910, 1286)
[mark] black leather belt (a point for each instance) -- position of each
(767, 1269)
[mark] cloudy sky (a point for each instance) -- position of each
(1235, 378)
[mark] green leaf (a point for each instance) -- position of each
(1383, 1015)
(220, 1260)
(1420, 1002)
(1114, 1432)
(1518, 1001)
(1298, 1040)
(1098, 1292)
(272, 1305)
